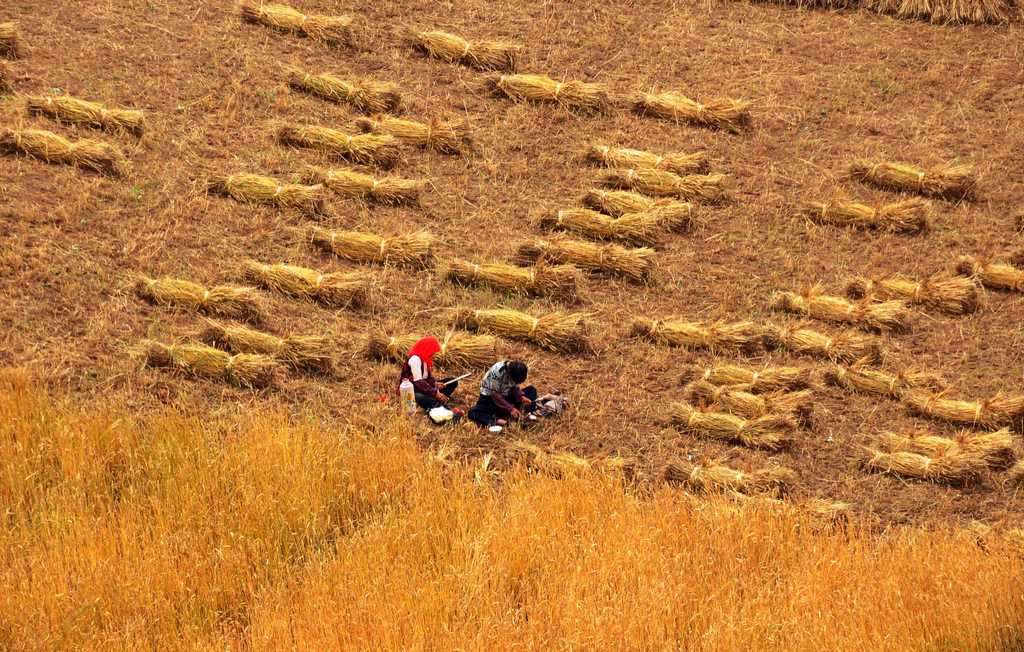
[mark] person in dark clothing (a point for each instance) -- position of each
(501, 398)
(419, 370)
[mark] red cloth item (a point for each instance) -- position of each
(426, 349)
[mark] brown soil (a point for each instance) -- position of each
(828, 87)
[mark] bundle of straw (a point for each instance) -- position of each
(997, 411)
(844, 347)
(769, 379)
(622, 157)
(954, 468)
(458, 350)
(332, 30)
(564, 333)
(257, 189)
(574, 95)
(389, 190)
(994, 448)
(740, 401)
(559, 281)
(72, 109)
(412, 249)
(908, 216)
(956, 295)
(48, 146)
(634, 264)
(10, 40)
(721, 113)
(367, 149)
(307, 352)
(947, 181)
(946, 11)
(244, 369)
(743, 336)
(220, 300)
(558, 464)
(366, 95)
(334, 290)
(770, 432)
(447, 137)
(482, 55)
(883, 315)
(873, 381)
(834, 512)
(712, 478)
(642, 232)
(1002, 276)
(620, 202)
(1016, 473)
(707, 188)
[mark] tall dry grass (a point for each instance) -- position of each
(269, 531)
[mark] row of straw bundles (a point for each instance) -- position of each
(642, 229)
(574, 95)
(332, 30)
(307, 352)
(10, 40)
(706, 188)
(220, 300)
(770, 432)
(445, 136)
(995, 449)
(334, 290)
(565, 333)
(74, 110)
(93, 155)
(738, 400)
(458, 350)
(366, 95)
(856, 378)
(243, 369)
(366, 149)
(997, 411)
(635, 264)
(882, 315)
(956, 295)
(622, 157)
(908, 216)
(482, 55)
(558, 281)
(948, 181)
(257, 189)
(769, 379)
(720, 113)
(715, 478)
(844, 347)
(1000, 276)
(389, 190)
(743, 336)
(412, 249)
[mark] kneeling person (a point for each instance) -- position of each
(500, 395)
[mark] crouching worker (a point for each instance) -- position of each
(501, 398)
(419, 370)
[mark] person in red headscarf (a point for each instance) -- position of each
(419, 370)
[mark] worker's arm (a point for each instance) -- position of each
(503, 404)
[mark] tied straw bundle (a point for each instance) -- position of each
(390, 190)
(257, 189)
(72, 109)
(243, 369)
(995, 449)
(620, 202)
(558, 464)
(641, 229)
(948, 181)
(844, 347)
(304, 352)
(707, 188)
(873, 381)
(882, 316)
(560, 332)
(574, 95)
(946, 12)
(711, 478)
(622, 157)
(10, 40)
(956, 295)
(908, 216)
(332, 30)
(446, 137)
(743, 336)
(93, 155)
(367, 149)
(335, 290)
(366, 95)
(770, 432)
(458, 350)
(482, 55)
(1001, 276)
(995, 412)
(559, 281)
(410, 249)
(634, 264)
(954, 468)
(720, 113)
(743, 403)
(220, 300)
(769, 379)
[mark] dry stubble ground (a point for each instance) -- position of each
(827, 88)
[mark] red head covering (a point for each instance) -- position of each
(425, 349)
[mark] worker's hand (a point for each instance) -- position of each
(442, 397)
(526, 401)
(516, 414)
